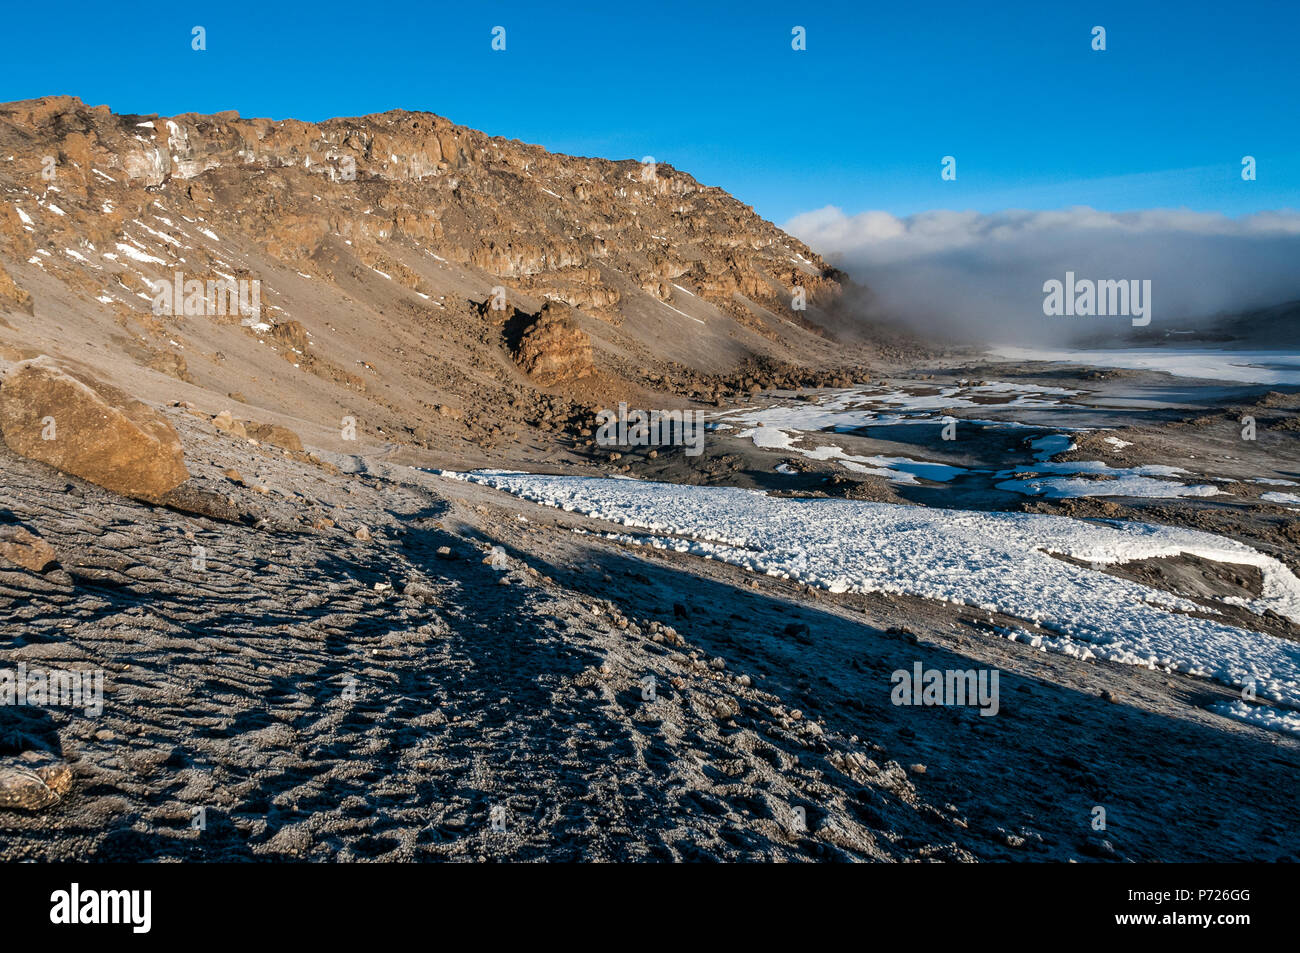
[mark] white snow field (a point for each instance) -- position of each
(1276, 719)
(1246, 366)
(993, 561)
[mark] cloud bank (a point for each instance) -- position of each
(979, 277)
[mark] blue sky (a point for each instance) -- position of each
(860, 120)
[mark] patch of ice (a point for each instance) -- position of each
(682, 313)
(1128, 484)
(1250, 367)
(1050, 446)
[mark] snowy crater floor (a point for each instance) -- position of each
(1003, 562)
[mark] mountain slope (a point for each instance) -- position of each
(378, 246)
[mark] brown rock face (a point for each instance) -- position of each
(553, 349)
(24, 548)
(90, 429)
(13, 298)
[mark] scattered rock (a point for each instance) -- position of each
(24, 548)
(275, 435)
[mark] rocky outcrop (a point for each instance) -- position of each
(552, 348)
(360, 248)
(514, 210)
(90, 429)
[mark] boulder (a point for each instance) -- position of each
(227, 424)
(82, 426)
(12, 297)
(24, 548)
(33, 781)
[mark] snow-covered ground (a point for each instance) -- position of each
(1216, 364)
(781, 427)
(992, 561)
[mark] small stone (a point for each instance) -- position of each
(32, 782)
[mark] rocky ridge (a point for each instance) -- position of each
(376, 244)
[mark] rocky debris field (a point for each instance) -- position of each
(325, 656)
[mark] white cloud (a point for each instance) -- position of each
(982, 273)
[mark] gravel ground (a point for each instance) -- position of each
(307, 694)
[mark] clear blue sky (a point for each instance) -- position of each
(860, 120)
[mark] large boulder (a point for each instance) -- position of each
(90, 429)
(552, 349)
